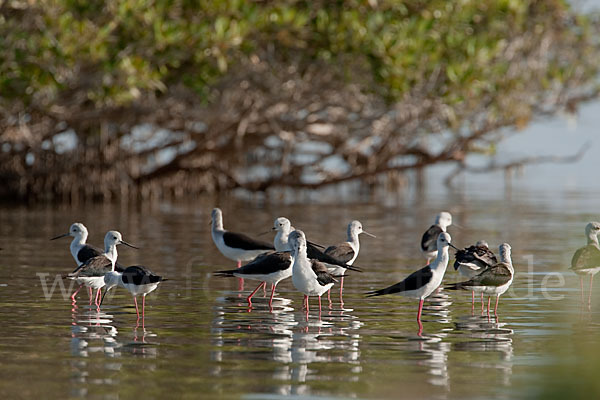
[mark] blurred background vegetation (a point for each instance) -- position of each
(167, 98)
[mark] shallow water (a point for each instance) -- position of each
(199, 339)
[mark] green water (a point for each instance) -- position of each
(199, 340)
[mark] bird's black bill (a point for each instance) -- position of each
(60, 236)
(369, 234)
(352, 268)
(127, 244)
(103, 296)
(453, 246)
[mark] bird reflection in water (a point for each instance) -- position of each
(93, 331)
(486, 335)
(435, 309)
(287, 338)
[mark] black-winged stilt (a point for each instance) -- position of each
(81, 251)
(494, 280)
(304, 277)
(429, 240)
(283, 227)
(91, 273)
(138, 279)
(235, 246)
(271, 267)
(472, 260)
(586, 260)
(422, 283)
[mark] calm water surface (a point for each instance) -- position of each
(199, 340)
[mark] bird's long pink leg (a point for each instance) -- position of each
(590, 295)
(136, 307)
(271, 299)
(420, 310)
(481, 303)
(265, 290)
(249, 298)
(420, 331)
(97, 299)
(472, 302)
(75, 292)
(143, 308)
(581, 284)
(240, 280)
(496, 308)
(488, 309)
(319, 306)
(306, 302)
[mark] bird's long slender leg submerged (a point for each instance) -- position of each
(75, 292)
(271, 298)
(137, 311)
(240, 280)
(97, 299)
(319, 307)
(420, 310)
(420, 331)
(249, 298)
(590, 294)
(496, 308)
(481, 303)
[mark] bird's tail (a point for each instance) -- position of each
(227, 273)
(340, 276)
(455, 286)
(379, 292)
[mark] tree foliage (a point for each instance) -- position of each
(177, 96)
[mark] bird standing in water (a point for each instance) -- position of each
(586, 260)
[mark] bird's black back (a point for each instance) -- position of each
(323, 275)
(264, 264)
(314, 253)
(480, 255)
(241, 241)
(429, 239)
(88, 251)
(139, 275)
(414, 281)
